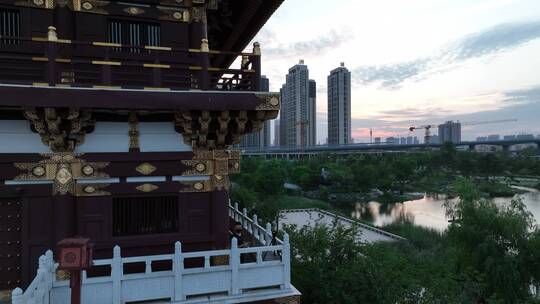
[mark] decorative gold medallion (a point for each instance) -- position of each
(145, 169)
(146, 187)
(38, 171)
(274, 101)
(89, 189)
(133, 10)
(198, 186)
(178, 15)
(87, 6)
(200, 167)
(87, 170)
(63, 176)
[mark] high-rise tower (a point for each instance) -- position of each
(339, 106)
(298, 121)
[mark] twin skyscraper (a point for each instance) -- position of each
(298, 116)
(297, 125)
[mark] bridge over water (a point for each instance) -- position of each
(292, 152)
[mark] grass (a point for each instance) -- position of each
(298, 202)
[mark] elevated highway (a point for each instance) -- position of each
(378, 148)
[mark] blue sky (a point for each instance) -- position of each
(415, 61)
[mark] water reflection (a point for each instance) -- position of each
(430, 210)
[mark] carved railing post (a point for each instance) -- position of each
(234, 261)
(117, 271)
(17, 296)
(41, 293)
(245, 219)
(178, 268)
(254, 227)
(51, 271)
(268, 234)
(286, 257)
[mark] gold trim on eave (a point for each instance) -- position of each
(158, 48)
(98, 43)
(105, 87)
(40, 59)
(156, 65)
(101, 62)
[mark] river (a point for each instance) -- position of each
(430, 211)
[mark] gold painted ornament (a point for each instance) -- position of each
(87, 6)
(38, 171)
(145, 168)
(87, 170)
(147, 188)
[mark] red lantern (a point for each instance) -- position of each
(75, 255)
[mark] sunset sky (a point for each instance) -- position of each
(415, 61)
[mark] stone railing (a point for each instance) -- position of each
(263, 235)
(40, 289)
(225, 275)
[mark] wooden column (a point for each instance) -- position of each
(65, 216)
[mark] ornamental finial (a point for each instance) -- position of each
(204, 46)
(51, 35)
(256, 48)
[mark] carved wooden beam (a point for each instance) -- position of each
(60, 129)
(220, 129)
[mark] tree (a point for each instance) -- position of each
(269, 177)
(497, 249)
(330, 266)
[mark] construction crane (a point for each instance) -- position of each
(427, 128)
(427, 136)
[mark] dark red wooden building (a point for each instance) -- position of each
(116, 119)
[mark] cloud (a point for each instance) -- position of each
(529, 95)
(414, 112)
(488, 42)
(321, 44)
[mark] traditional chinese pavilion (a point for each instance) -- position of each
(116, 120)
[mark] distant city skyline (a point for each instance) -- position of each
(413, 64)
